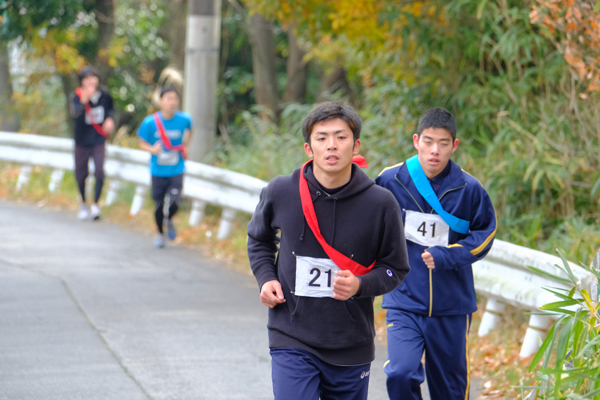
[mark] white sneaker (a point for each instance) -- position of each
(95, 212)
(83, 212)
(159, 241)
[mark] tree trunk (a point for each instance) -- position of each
(262, 41)
(297, 70)
(105, 17)
(9, 121)
(331, 83)
(69, 84)
(175, 30)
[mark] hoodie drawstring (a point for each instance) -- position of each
(304, 223)
(333, 228)
(303, 228)
(304, 218)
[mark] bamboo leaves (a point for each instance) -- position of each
(570, 353)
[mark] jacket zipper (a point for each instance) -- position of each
(407, 191)
(418, 205)
(448, 191)
(431, 271)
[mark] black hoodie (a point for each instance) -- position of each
(363, 222)
(101, 105)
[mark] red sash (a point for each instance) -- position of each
(88, 111)
(308, 208)
(165, 139)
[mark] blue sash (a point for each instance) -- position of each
(424, 187)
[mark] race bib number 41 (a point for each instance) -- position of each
(314, 276)
(426, 229)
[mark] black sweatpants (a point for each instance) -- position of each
(82, 156)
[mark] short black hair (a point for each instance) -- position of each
(87, 71)
(437, 117)
(331, 110)
(166, 89)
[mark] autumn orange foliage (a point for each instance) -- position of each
(574, 28)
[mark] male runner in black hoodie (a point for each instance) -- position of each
(341, 244)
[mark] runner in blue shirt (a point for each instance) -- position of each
(165, 135)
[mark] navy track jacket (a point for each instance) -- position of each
(448, 289)
(363, 222)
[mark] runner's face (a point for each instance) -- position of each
(332, 147)
(435, 146)
(90, 83)
(169, 102)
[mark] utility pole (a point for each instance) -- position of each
(201, 73)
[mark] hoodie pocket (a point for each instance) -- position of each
(324, 322)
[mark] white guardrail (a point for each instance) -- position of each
(202, 183)
(501, 277)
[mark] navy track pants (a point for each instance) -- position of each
(445, 342)
(300, 375)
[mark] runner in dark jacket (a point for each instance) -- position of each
(321, 324)
(432, 308)
(93, 121)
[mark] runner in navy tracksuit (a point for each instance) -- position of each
(321, 324)
(432, 309)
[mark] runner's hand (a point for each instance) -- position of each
(108, 126)
(345, 285)
(156, 148)
(428, 259)
(271, 294)
(87, 92)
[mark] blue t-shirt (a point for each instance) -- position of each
(168, 163)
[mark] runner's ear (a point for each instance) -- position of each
(454, 145)
(356, 147)
(308, 150)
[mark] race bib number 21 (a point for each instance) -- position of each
(426, 229)
(314, 276)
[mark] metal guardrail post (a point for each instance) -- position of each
(113, 192)
(538, 328)
(138, 199)
(89, 187)
(492, 316)
(227, 217)
(197, 213)
(56, 180)
(24, 175)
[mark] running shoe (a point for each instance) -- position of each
(159, 241)
(95, 212)
(83, 212)
(172, 232)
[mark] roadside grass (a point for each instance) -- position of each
(494, 358)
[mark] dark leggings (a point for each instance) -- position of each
(163, 186)
(82, 156)
(160, 216)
